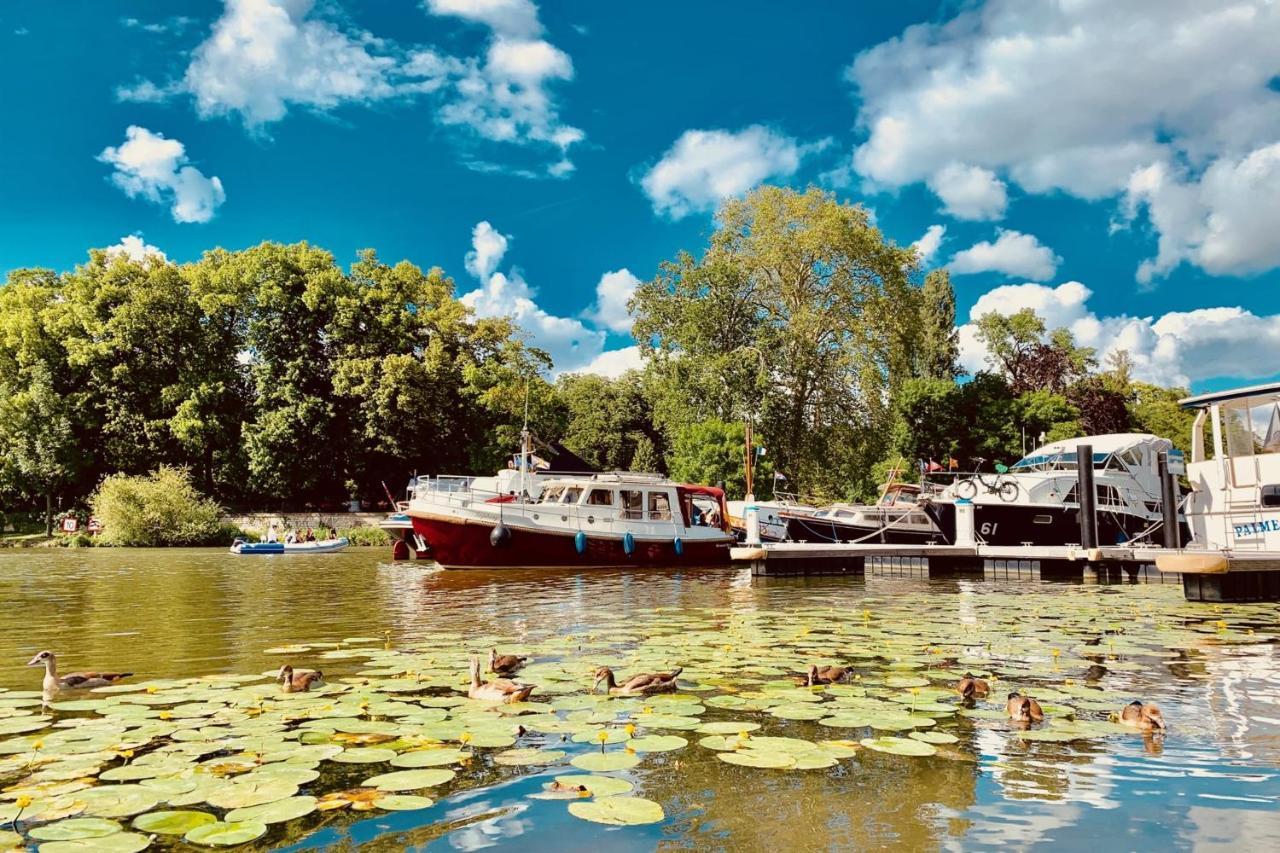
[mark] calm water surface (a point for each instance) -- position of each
(1213, 781)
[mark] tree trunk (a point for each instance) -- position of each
(48, 513)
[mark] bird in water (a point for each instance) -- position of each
(1023, 709)
(1144, 715)
(827, 674)
(498, 690)
(1095, 672)
(301, 682)
(72, 680)
(505, 664)
(638, 685)
(972, 687)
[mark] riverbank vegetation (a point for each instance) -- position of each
(278, 378)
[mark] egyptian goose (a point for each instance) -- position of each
(498, 690)
(1023, 709)
(972, 687)
(1144, 715)
(638, 685)
(827, 674)
(72, 680)
(301, 682)
(505, 664)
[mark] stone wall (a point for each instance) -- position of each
(257, 522)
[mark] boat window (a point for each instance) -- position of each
(552, 494)
(632, 503)
(844, 513)
(1241, 440)
(1042, 519)
(600, 497)
(659, 506)
(571, 495)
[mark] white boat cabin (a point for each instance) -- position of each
(636, 503)
(1235, 476)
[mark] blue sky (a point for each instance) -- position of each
(1117, 169)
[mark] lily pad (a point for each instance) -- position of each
(429, 757)
(898, 746)
(117, 842)
(657, 743)
(410, 780)
(618, 811)
(251, 792)
(75, 828)
(277, 812)
(766, 759)
(364, 755)
(118, 800)
(727, 727)
(530, 757)
(223, 834)
(171, 822)
(934, 737)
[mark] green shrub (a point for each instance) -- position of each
(162, 508)
(366, 535)
(77, 540)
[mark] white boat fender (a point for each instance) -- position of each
(628, 543)
(580, 542)
(500, 536)
(679, 546)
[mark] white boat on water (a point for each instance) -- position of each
(326, 546)
(896, 518)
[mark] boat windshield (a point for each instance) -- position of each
(1059, 462)
(552, 494)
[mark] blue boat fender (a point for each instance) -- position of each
(679, 546)
(628, 543)
(580, 542)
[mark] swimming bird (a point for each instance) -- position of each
(302, 682)
(639, 684)
(827, 674)
(498, 690)
(971, 687)
(72, 680)
(1023, 709)
(1144, 715)
(505, 664)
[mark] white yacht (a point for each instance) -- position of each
(1034, 501)
(897, 518)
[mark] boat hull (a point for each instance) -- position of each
(260, 548)
(465, 544)
(1044, 524)
(801, 529)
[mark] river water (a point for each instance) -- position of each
(1212, 780)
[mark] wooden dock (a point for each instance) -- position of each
(1206, 576)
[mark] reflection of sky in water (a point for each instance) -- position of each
(1211, 782)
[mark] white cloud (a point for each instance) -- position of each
(1078, 96)
(1177, 348)
(570, 343)
(614, 362)
(135, 249)
(613, 291)
(969, 192)
(508, 17)
(155, 168)
(705, 166)
(929, 243)
(1012, 254)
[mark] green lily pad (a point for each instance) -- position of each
(657, 743)
(117, 842)
(118, 800)
(529, 757)
(934, 737)
(727, 727)
(595, 736)
(277, 812)
(898, 746)
(618, 811)
(404, 802)
(409, 780)
(251, 792)
(766, 759)
(171, 822)
(222, 834)
(604, 762)
(75, 828)
(429, 757)
(364, 755)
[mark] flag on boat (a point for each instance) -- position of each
(934, 466)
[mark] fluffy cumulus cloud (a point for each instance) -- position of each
(488, 246)
(969, 192)
(705, 166)
(1167, 104)
(614, 363)
(264, 57)
(929, 243)
(149, 166)
(134, 248)
(1176, 348)
(613, 292)
(1013, 253)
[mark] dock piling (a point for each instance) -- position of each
(1088, 497)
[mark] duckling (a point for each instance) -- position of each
(498, 690)
(300, 683)
(72, 680)
(1144, 715)
(505, 664)
(972, 687)
(827, 674)
(639, 684)
(1095, 672)
(1023, 709)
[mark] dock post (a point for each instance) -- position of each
(964, 522)
(1087, 496)
(752, 521)
(1168, 502)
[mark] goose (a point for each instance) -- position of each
(1023, 709)
(639, 684)
(827, 674)
(1144, 715)
(302, 682)
(972, 687)
(498, 690)
(505, 664)
(72, 680)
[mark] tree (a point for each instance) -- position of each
(1017, 346)
(1047, 413)
(607, 418)
(927, 420)
(714, 451)
(799, 313)
(646, 458)
(1102, 409)
(939, 347)
(1156, 410)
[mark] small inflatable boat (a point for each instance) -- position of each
(241, 547)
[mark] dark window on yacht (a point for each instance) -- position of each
(600, 497)
(632, 504)
(1271, 495)
(571, 495)
(659, 506)
(1043, 519)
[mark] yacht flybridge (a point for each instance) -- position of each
(1034, 502)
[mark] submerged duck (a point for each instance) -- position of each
(72, 680)
(505, 664)
(498, 690)
(1144, 715)
(302, 682)
(640, 684)
(972, 687)
(1023, 709)
(827, 674)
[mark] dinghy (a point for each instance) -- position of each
(241, 547)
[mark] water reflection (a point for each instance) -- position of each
(1211, 781)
